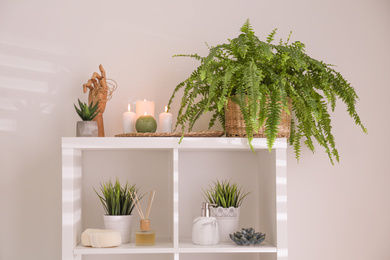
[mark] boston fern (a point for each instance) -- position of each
(262, 78)
(116, 199)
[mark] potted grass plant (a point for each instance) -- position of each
(267, 90)
(87, 127)
(227, 198)
(118, 205)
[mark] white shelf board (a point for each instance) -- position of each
(186, 246)
(163, 246)
(225, 143)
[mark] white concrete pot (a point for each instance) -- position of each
(121, 223)
(87, 129)
(228, 219)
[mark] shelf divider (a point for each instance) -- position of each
(175, 178)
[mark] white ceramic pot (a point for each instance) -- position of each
(121, 223)
(228, 219)
(87, 129)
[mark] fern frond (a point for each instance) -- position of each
(270, 37)
(252, 77)
(273, 119)
(247, 28)
(288, 38)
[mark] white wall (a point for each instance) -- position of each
(48, 49)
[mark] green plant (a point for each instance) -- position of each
(116, 199)
(260, 77)
(87, 113)
(224, 194)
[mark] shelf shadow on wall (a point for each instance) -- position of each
(32, 84)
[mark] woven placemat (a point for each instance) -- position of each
(189, 134)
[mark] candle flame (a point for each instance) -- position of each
(128, 107)
(166, 109)
(145, 114)
(144, 99)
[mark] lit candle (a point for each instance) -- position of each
(146, 124)
(144, 106)
(129, 121)
(165, 121)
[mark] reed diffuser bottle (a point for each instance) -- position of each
(145, 236)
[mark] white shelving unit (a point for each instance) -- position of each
(181, 171)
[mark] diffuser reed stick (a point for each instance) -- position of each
(151, 198)
(136, 203)
(138, 206)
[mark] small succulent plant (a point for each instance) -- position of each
(224, 194)
(87, 113)
(247, 237)
(116, 199)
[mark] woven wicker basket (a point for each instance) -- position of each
(235, 124)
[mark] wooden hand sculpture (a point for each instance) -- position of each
(99, 91)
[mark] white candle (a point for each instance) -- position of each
(129, 121)
(144, 106)
(165, 122)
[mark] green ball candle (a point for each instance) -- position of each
(146, 124)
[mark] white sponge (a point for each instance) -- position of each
(101, 238)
